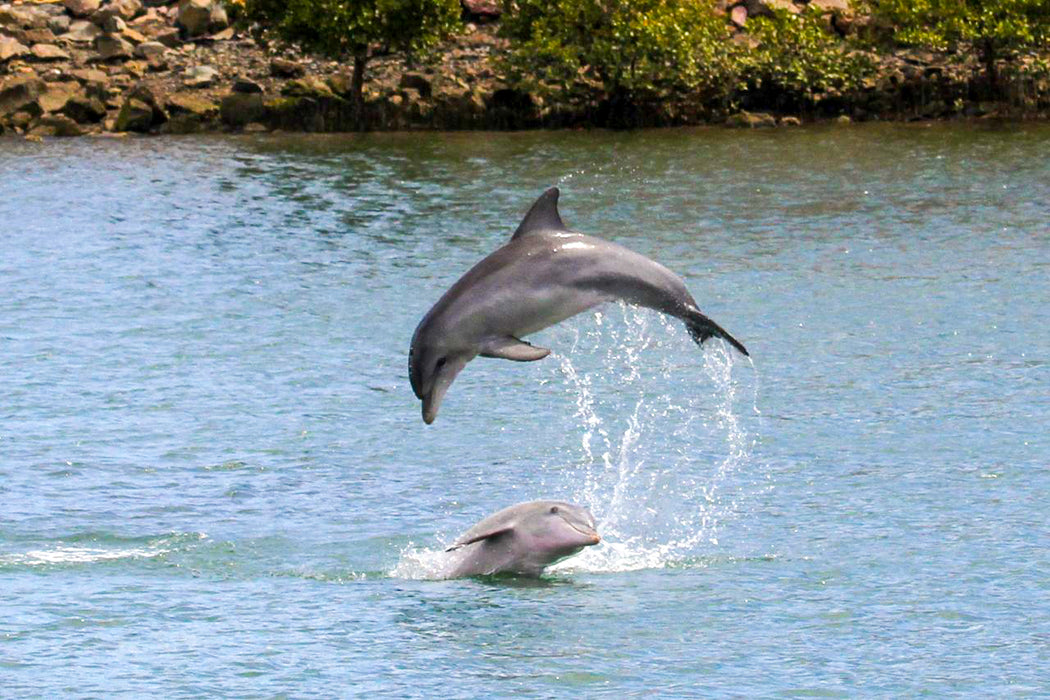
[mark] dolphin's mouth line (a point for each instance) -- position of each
(589, 532)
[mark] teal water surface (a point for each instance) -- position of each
(215, 481)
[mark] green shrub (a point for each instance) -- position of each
(668, 49)
(798, 57)
(644, 49)
(990, 29)
(359, 28)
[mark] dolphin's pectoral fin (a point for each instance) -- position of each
(511, 348)
(490, 534)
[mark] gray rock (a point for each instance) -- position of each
(59, 24)
(114, 24)
(110, 47)
(134, 37)
(82, 32)
(192, 103)
(760, 8)
(89, 76)
(151, 50)
(124, 9)
(182, 123)
(481, 11)
(199, 76)
(38, 131)
(837, 6)
(38, 36)
(60, 125)
(49, 52)
(341, 83)
(310, 86)
(283, 68)
(168, 37)
(158, 63)
(150, 16)
(20, 94)
(417, 81)
(24, 16)
(20, 119)
(150, 27)
(751, 120)
(151, 94)
(135, 115)
(81, 8)
(84, 110)
(10, 48)
(54, 96)
(238, 109)
(738, 15)
(246, 86)
(198, 17)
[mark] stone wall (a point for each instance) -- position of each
(75, 67)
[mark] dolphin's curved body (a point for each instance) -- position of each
(523, 539)
(542, 276)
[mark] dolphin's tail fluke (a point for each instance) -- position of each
(702, 328)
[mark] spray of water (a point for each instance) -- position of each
(420, 563)
(660, 440)
(661, 444)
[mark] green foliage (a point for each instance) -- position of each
(993, 29)
(944, 24)
(797, 55)
(643, 48)
(337, 27)
(656, 49)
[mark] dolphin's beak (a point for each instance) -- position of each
(586, 531)
(430, 407)
(444, 379)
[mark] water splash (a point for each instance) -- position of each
(420, 563)
(660, 442)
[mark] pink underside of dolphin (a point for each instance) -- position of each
(523, 539)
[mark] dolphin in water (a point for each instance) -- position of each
(523, 539)
(542, 276)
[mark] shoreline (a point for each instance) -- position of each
(83, 67)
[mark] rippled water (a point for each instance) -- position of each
(214, 478)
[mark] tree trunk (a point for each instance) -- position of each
(357, 87)
(991, 75)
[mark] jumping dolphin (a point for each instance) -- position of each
(542, 276)
(523, 539)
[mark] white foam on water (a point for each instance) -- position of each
(68, 554)
(420, 563)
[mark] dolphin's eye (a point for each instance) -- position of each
(554, 509)
(440, 363)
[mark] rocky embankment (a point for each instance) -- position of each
(74, 67)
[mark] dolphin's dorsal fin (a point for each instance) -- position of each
(488, 534)
(543, 216)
